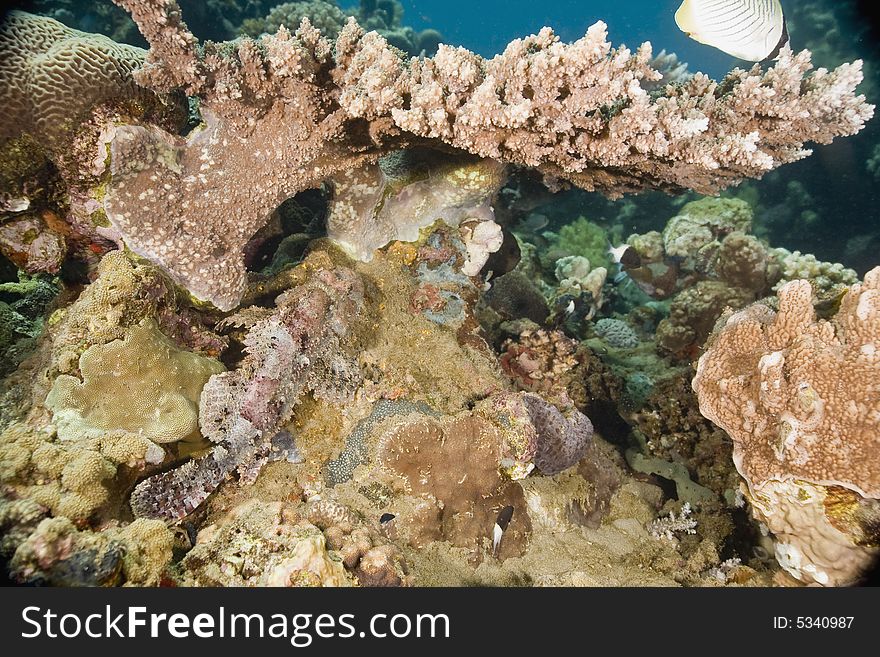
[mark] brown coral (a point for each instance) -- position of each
(51, 76)
(459, 504)
(287, 114)
(801, 400)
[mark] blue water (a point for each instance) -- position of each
(486, 26)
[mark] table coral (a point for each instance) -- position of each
(798, 396)
(290, 112)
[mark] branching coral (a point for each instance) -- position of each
(799, 398)
(282, 114)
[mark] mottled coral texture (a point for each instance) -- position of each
(294, 349)
(287, 112)
(800, 398)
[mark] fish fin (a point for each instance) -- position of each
(685, 20)
(784, 40)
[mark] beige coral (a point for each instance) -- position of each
(263, 544)
(142, 385)
(801, 400)
(58, 554)
(52, 75)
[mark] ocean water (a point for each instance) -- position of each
(486, 26)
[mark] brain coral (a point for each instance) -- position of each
(52, 75)
(143, 385)
(617, 333)
(801, 400)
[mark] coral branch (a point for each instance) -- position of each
(282, 114)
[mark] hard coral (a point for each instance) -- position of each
(799, 398)
(52, 76)
(143, 385)
(284, 112)
(460, 504)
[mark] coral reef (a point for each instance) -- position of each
(142, 385)
(56, 553)
(269, 115)
(461, 505)
(294, 298)
(617, 333)
(799, 399)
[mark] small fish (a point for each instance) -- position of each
(386, 517)
(501, 523)
(753, 30)
(625, 256)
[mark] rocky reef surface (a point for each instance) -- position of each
(298, 310)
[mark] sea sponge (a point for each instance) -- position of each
(142, 385)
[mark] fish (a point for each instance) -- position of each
(753, 30)
(625, 256)
(501, 523)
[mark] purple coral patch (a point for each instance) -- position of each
(562, 439)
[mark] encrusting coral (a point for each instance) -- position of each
(288, 112)
(232, 397)
(142, 385)
(799, 397)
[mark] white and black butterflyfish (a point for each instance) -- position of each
(753, 30)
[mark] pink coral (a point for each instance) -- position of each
(283, 114)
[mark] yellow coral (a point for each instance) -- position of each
(143, 385)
